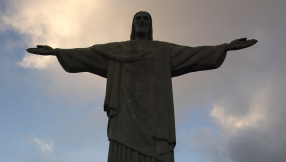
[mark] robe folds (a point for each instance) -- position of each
(139, 99)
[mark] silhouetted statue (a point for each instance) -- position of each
(139, 99)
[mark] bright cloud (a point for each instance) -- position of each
(58, 24)
(35, 19)
(62, 28)
(45, 146)
(35, 62)
(257, 112)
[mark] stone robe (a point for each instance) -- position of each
(139, 99)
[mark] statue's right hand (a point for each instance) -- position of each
(42, 50)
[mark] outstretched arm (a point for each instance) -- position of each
(239, 44)
(76, 60)
(43, 50)
(188, 59)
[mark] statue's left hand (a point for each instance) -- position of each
(240, 44)
(43, 50)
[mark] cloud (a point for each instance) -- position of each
(256, 113)
(34, 61)
(34, 20)
(255, 134)
(58, 24)
(45, 146)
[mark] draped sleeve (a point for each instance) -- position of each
(190, 59)
(83, 60)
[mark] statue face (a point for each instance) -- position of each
(142, 23)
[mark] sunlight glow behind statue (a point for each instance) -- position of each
(139, 99)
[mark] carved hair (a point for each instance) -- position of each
(150, 33)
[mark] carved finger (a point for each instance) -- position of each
(33, 50)
(242, 39)
(248, 44)
(41, 46)
(252, 42)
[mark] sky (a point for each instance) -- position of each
(235, 113)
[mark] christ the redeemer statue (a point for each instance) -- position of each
(139, 99)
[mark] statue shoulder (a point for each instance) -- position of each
(111, 45)
(164, 44)
(127, 44)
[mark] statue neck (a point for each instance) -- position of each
(141, 36)
(140, 44)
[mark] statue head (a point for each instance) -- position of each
(142, 25)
